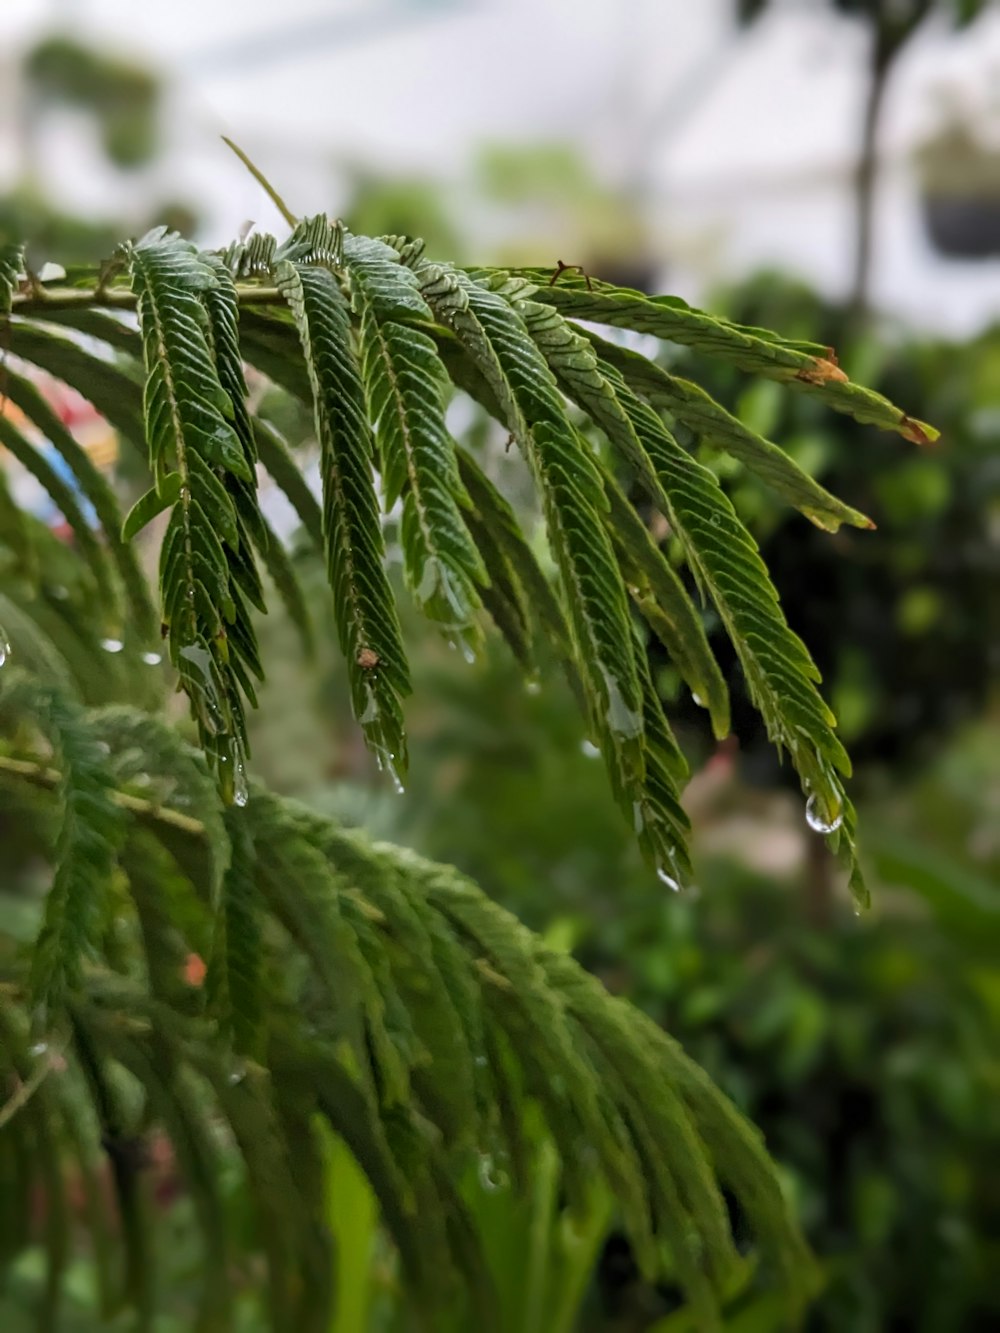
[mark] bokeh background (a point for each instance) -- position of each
(827, 167)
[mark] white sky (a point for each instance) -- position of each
(743, 149)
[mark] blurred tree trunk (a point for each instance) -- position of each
(866, 180)
(892, 27)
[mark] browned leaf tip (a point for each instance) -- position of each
(368, 659)
(917, 432)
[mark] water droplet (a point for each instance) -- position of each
(532, 687)
(490, 1177)
(664, 878)
(698, 699)
(60, 593)
(370, 712)
(481, 1061)
(386, 763)
(39, 1048)
(4, 649)
(241, 792)
(112, 645)
(622, 720)
(589, 749)
(468, 654)
(816, 821)
(237, 1075)
(102, 747)
(152, 659)
(716, 520)
(199, 657)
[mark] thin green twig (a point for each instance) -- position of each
(262, 180)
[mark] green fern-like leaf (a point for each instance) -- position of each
(91, 830)
(383, 993)
(405, 382)
(366, 617)
(206, 567)
(368, 333)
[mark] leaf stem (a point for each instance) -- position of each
(40, 775)
(35, 304)
(262, 180)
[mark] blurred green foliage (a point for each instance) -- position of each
(123, 99)
(123, 96)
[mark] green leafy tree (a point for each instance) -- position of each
(214, 966)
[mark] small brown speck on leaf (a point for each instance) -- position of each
(822, 371)
(194, 969)
(367, 659)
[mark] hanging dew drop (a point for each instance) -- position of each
(40, 1048)
(241, 792)
(589, 749)
(4, 649)
(532, 687)
(237, 1075)
(152, 659)
(816, 821)
(622, 720)
(698, 699)
(385, 762)
(112, 645)
(672, 884)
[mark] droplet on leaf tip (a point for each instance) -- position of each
(241, 792)
(112, 645)
(816, 821)
(665, 878)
